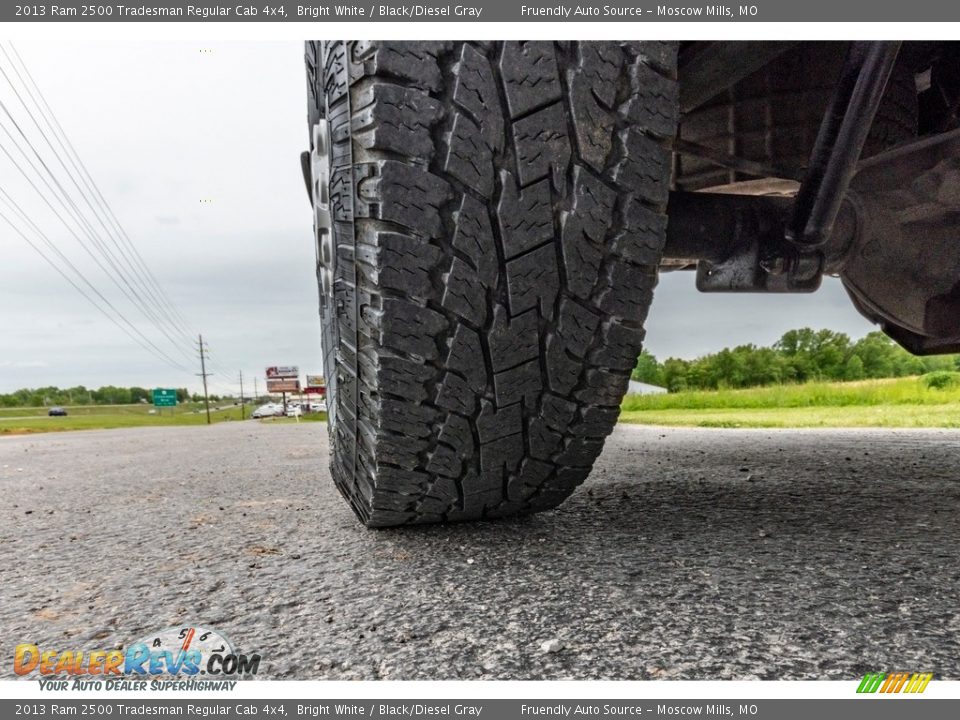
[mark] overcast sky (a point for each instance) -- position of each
(197, 154)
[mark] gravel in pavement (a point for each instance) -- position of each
(689, 553)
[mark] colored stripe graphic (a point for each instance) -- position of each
(919, 682)
(894, 682)
(871, 682)
(898, 682)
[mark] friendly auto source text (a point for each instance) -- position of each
(563, 710)
(613, 11)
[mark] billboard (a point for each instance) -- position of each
(283, 385)
(283, 371)
(316, 385)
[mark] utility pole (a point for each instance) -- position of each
(255, 393)
(203, 373)
(243, 409)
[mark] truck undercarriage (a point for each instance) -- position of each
(491, 218)
(885, 224)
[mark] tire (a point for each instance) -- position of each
(498, 220)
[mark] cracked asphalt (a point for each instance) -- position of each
(696, 554)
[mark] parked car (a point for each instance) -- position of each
(268, 410)
(57, 412)
(294, 411)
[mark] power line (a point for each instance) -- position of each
(171, 309)
(155, 351)
(243, 408)
(204, 374)
(59, 157)
(214, 363)
(50, 244)
(10, 202)
(157, 309)
(63, 199)
(126, 262)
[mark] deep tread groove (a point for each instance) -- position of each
(499, 220)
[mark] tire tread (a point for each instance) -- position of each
(502, 214)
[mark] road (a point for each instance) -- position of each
(697, 554)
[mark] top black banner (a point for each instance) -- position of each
(482, 11)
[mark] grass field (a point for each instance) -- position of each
(311, 417)
(901, 402)
(17, 421)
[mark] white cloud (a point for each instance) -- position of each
(162, 126)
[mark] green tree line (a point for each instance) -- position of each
(80, 395)
(799, 356)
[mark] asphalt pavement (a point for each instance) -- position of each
(695, 554)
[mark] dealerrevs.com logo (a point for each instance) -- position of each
(176, 658)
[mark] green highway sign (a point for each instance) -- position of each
(165, 397)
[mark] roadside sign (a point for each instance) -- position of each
(282, 385)
(316, 385)
(283, 371)
(165, 397)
